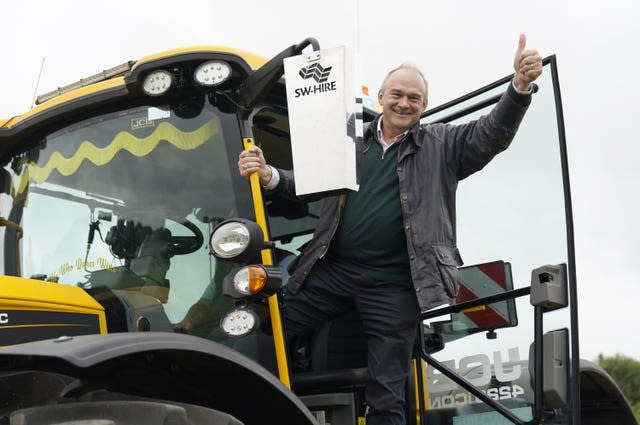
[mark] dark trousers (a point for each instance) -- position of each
(389, 312)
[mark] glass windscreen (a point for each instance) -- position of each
(510, 216)
(122, 204)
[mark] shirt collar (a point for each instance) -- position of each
(384, 142)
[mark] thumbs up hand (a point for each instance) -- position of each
(527, 65)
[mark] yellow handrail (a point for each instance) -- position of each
(274, 309)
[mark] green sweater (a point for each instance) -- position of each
(370, 236)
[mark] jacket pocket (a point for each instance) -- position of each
(448, 260)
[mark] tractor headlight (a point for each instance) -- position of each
(157, 83)
(212, 73)
(251, 280)
(237, 240)
(239, 322)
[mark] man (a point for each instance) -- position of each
(389, 250)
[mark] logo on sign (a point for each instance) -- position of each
(320, 75)
(315, 71)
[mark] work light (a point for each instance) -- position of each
(212, 73)
(157, 83)
(239, 322)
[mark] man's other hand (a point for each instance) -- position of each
(527, 64)
(252, 160)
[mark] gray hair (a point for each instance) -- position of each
(412, 67)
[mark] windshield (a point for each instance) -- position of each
(122, 204)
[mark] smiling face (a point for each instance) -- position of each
(403, 99)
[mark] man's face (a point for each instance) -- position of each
(403, 100)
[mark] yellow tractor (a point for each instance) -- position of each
(140, 273)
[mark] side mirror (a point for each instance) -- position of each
(475, 282)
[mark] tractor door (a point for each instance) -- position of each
(513, 217)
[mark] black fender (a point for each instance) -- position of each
(161, 366)
(602, 402)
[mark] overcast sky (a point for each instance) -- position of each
(461, 45)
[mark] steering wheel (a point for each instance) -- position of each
(186, 244)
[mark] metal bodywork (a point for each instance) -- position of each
(165, 367)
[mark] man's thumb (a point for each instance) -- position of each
(522, 42)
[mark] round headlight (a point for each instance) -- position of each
(212, 73)
(236, 239)
(239, 322)
(157, 82)
(230, 240)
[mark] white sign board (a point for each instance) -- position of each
(325, 120)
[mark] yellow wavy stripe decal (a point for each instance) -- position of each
(123, 141)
